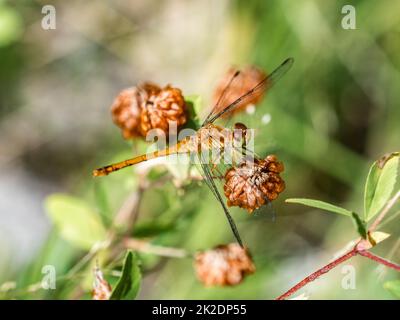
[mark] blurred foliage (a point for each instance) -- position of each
(331, 116)
(75, 220)
(394, 287)
(11, 25)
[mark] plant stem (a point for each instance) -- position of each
(86, 258)
(318, 273)
(334, 264)
(128, 213)
(356, 250)
(385, 210)
(146, 247)
(380, 260)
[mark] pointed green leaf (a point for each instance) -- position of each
(128, 284)
(76, 221)
(320, 205)
(380, 184)
(194, 104)
(393, 287)
(360, 224)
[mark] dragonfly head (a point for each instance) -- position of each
(239, 133)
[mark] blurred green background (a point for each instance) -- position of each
(332, 115)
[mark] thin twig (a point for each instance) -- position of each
(318, 273)
(392, 252)
(385, 210)
(129, 211)
(87, 257)
(358, 249)
(335, 263)
(146, 247)
(380, 260)
(390, 219)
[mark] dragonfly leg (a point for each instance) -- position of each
(215, 163)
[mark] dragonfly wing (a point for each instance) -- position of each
(267, 82)
(208, 178)
(222, 96)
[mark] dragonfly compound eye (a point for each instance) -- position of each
(240, 131)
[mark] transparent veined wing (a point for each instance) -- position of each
(217, 106)
(204, 169)
(268, 82)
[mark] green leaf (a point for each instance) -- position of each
(11, 26)
(194, 104)
(320, 205)
(128, 284)
(76, 221)
(393, 287)
(196, 101)
(361, 227)
(380, 184)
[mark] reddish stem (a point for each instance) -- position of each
(318, 273)
(358, 249)
(380, 260)
(334, 264)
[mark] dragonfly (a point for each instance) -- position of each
(209, 136)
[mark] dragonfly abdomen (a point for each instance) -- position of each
(181, 147)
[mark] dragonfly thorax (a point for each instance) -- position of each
(212, 136)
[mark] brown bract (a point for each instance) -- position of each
(101, 288)
(253, 184)
(139, 109)
(247, 79)
(225, 265)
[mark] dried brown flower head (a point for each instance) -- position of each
(139, 109)
(247, 79)
(252, 184)
(225, 265)
(101, 288)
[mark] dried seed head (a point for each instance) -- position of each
(161, 109)
(139, 109)
(127, 107)
(225, 265)
(101, 288)
(252, 184)
(247, 79)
